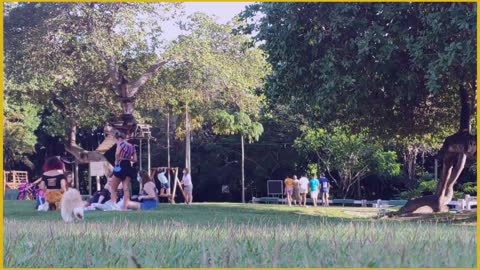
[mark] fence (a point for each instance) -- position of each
(468, 203)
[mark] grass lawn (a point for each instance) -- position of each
(233, 235)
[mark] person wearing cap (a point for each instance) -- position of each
(123, 172)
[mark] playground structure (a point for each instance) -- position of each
(98, 164)
(14, 179)
(176, 182)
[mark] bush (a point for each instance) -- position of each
(469, 188)
(410, 194)
(425, 187)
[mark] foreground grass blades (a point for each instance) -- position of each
(231, 235)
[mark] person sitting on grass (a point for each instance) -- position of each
(101, 196)
(314, 183)
(289, 189)
(325, 183)
(148, 198)
(53, 182)
(303, 183)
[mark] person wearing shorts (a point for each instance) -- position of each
(296, 191)
(289, 189)
(314, 183)
(123, 172)
(303, 189)
(325, 184)
(187, 186)
(148, 198)
(164, 185)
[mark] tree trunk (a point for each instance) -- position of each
(243, 169)
(72, 136)
(454, 153)
(359, 190)
(187, 139)
(409, 165)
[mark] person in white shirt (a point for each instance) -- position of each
(187, 186)
(303, 186)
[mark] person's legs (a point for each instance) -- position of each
(133, 205)
(314, 198)
(126, 192)
(114, 188)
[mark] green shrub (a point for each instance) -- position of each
(426, 186)
(469, 188)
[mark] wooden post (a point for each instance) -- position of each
(174, 187)
(140, 159)
(76, 176)
(243, 170)
(168, 148)
(89, 182)
(187, 140)
(98, 183)
(148, 154)
(175, 183)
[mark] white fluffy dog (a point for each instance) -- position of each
(72, 205)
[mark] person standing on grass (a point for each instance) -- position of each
(289, 189)
(314, 183)
(296, 191)
(325, 184)
(187, 186)
(303, 189)
(123, 173)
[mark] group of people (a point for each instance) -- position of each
(297, 190)
(55, 181)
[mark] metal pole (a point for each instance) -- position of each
(436, 169)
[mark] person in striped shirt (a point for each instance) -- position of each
(123, 172)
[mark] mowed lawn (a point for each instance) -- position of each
(232, 235)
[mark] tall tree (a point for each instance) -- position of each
(219, 67)
(79, 56)
(237, 123)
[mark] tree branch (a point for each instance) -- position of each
(133, 87)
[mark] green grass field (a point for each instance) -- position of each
(233, 235)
